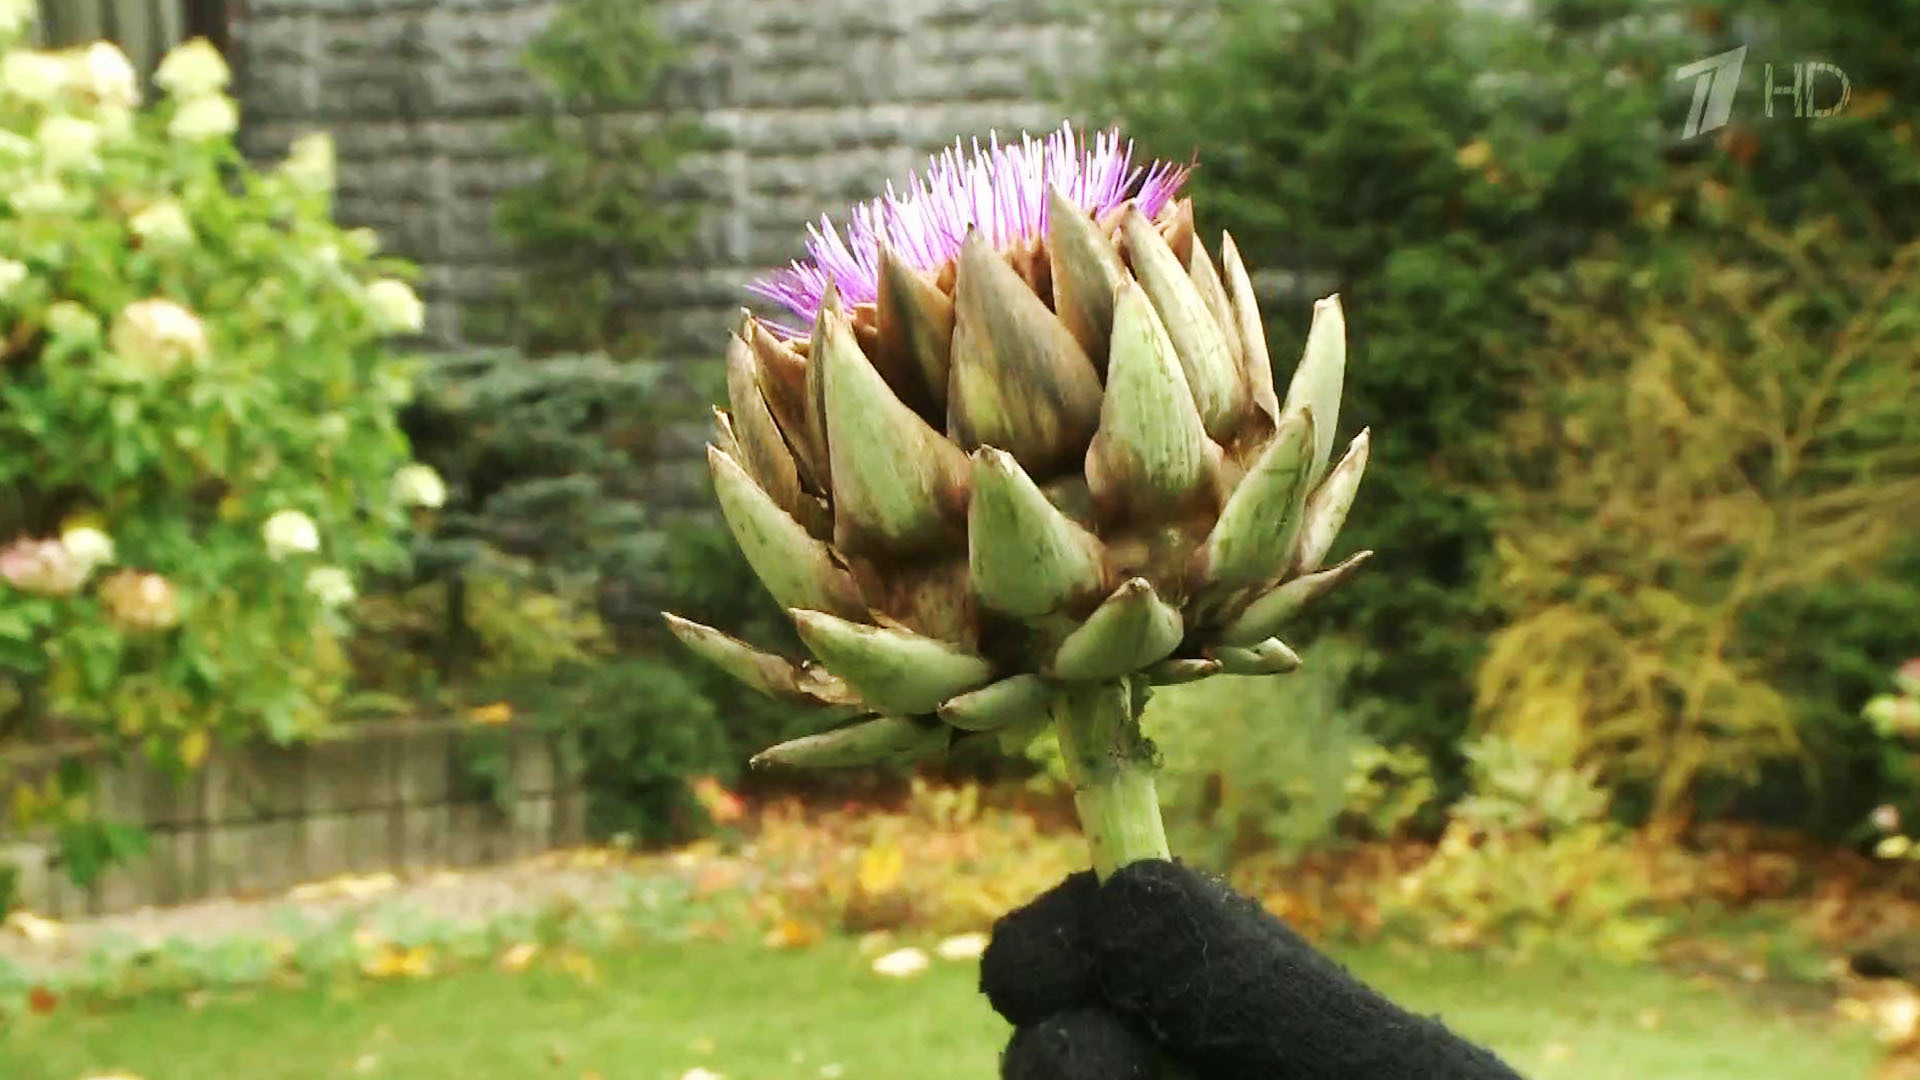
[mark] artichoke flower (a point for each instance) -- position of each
(1022, 460)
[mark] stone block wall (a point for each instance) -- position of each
(374, 797)
(819, 102)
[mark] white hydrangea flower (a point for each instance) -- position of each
(103, 73)
(152, 337)
(310, 162)
(69, 142)
(332, 427)
(33, 76)
(362, 242)
(12, 273)
(209, 117)
(331, 586)
(162, 225)
(194, 69)
(43, 196)
(67, 319)
(394, 383)
(394, 307)
(41, 567)
(419, 485)
(290, 532)
(89, 546)
(140, 601)
(16, 16)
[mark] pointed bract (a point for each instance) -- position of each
(1132, 628)
(1255, 534)
(1326, 509)
(796, 568)
(1175, 672)
(1213, 377)
(1010, 701)
(1206, 280)
(1257, 361)
(1026, 557)
(1269, 657)
(1176, 226)
(915, 334)
(894, 671)
(781, 374)
(1086, 271)
(832, 314)
(1267, 615)
(762, 449)
(884, 740)
(772, 675)
(1318, 380)
(1019, 379)
(898, 486)
(1151, 453)
(723, 436)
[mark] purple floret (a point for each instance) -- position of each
(1001, 190)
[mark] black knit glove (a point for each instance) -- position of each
(1100, 978)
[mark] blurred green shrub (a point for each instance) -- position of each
(1828, 645)
(1693, 450)
(561, 454)
(199, 450)
(1440, 164)
(541, 585)
(594, 218)
(1281, 763)
(1531, 863)
(1423, 159)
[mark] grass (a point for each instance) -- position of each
(751, 1014)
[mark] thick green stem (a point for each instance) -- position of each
(1111, 767)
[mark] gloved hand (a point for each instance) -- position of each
(1099, 979)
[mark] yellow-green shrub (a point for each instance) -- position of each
(1694, 453)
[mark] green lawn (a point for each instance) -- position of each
(750, 1014)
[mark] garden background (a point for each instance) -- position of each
(1609, 747)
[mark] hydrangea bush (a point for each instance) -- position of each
(199, 455)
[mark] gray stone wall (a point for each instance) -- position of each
(374, 797)
(819, 103)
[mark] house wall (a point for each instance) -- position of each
(819, 103)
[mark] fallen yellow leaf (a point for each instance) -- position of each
(348, 886)
(579, 965)
(792, 934)
(880, 868)
(34, 928)
(517, 958)
(498, 712)
(394, 962)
